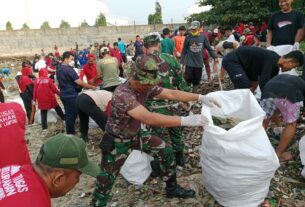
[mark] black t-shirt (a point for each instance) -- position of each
(285, 86)
(258, 63)
(284, 27)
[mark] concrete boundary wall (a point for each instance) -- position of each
(29, 42)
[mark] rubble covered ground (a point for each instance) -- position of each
(287, 188)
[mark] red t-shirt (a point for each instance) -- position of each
(21, 186)
(13, 149)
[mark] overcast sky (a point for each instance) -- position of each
(75, 11)
(138, 10)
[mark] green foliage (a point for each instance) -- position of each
(45, 25)
(64, 25)
(101, 21)
(84, 24)
(302, 46)
(9, 26)
(230, 12)
(156, 18)
(25, 26)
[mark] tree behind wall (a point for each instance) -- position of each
(64, 25)
(156, 18)
(9, 26)
(84, 24)
(224, 12)
(25, 26)
(101, 21)
(45, 25)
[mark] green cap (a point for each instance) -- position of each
(67, 152)
(146, 70)
(151, 40)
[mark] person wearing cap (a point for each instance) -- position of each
(59, 164)
(172, 78)
(249, 39)
(249, 67)
(108, 70)
(89, 70)
(192, 57)
(69, 84)
(124, 123)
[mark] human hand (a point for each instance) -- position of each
(210, 102)
(194, 120)
(296, 46)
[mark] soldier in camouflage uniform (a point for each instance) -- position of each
(124, 123)
(172, 78)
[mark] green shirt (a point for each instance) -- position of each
(167, 46)
(109, 68)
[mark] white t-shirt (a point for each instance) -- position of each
(40, 64)
(231, 38)
(100, 97)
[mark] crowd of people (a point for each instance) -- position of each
(134, 106)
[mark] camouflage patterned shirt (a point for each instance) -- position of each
(171, 75)
(125, 99)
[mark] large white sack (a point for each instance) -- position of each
(284, 50)
(136, 168)
(52, 116)
(302, 153)
(238, 164)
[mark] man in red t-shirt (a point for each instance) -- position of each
(13, 149)
(89, 70)
(59, 164)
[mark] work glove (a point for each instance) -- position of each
(270, 48)
(194, 120)
(296, 46)
(210, 102)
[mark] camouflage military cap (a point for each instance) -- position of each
(146, 70)
(151, 39)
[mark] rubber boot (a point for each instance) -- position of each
(173, 190)
(156, 170)
(180, 159)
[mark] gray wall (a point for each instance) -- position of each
(21, 42)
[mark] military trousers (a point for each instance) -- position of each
(113, 161)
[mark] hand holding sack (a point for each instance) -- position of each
(194, 120)
(210, 102)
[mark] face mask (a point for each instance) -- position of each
(72, 63)
(197, 33)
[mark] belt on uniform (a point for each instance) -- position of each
(118, 139)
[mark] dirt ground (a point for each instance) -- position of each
(287, 188)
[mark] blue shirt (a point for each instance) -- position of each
(66, 76)
(121, 46)
(139, 48)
